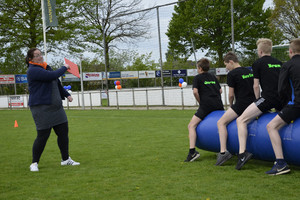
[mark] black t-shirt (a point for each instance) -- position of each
(289, 81)
(241, 79)
(267, 70)
(209, 90)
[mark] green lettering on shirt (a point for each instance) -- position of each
(209, 82)
(247, 76)
(274, 66)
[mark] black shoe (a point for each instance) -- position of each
(279, 169)
(223, 158)
(242, 159)
(192, 157)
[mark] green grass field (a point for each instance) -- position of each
(127, 154)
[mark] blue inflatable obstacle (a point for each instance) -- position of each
(258, 141)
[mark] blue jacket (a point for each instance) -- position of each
(40, 84)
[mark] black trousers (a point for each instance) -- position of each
(39, 144)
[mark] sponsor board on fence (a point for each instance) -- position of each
(21, 78)
(111, 75)
(129, 74)
(179, 73)
(221, 71)
(166, 73)
(70, 78)
(192, 72)
(146, 74)
(92, 76)
(16, 101)
(7, 79)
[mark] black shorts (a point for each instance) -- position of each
(203, 111)
(265, 105)
(239, 108)
(289, 113)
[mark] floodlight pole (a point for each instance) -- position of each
(232, 26)
(160, 57)
(81, 83)
(105, 60)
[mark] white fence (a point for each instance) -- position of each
(154, 96)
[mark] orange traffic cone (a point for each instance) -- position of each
(16, 124)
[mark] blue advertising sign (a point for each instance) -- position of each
(166, 73)
(112, 75)
(21, 78)
(179, 73)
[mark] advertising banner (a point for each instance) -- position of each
(16, 101)
(179, 73)
(129, 74)
(92, 76)
(70, 78)
(146, 74)
(166, 73)
(192, 72)
(50, 14)
(221, 71)
(21, 78)
(7, 79)
(111, 75)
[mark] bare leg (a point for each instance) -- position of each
(192, 130)
(273, 129)
(248, 115)
(228, 116)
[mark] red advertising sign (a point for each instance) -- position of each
(7, 79)
(16, 101)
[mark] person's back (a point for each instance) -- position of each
(267, 70)
(208, 89)
(241, 79)
(292, 73)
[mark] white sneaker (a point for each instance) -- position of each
(34, 167)
(69, 162)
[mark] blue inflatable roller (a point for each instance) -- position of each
(258, 141)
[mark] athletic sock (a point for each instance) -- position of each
(241, 155)
(280, 161)
(222, 153)
(192, 151)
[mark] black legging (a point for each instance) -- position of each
(39, 144)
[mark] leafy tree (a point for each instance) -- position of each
(13, 63)
(286, 18)
(112, 19)
(21, 26)
(142, 62)
(208, 24)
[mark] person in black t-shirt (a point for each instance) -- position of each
(240, 82)
(266, 72)
(207, 91)
(289, 91)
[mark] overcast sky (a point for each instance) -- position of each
(165, 15)
(152, 44)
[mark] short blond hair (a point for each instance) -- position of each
(295, 45)
(265, 45)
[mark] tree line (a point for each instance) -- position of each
(203, 25)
